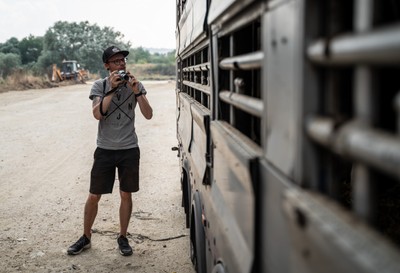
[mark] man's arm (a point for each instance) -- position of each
(144, 104)
(145, 107)
(105, 105)
(114, 80)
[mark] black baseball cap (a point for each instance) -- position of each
(111, 51)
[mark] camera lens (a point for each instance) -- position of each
(122, 74)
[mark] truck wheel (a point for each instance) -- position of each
(186, 197)
(197, 237)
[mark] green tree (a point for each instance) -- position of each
(45, 61)
(171, 57)
(30, 48)
(80, 41)
(139, 55)
(10, 46)
(8, 63)
(159, 58)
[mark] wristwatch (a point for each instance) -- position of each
(140, 93)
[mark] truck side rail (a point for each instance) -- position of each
(355, 70)
(194, 75)
(198, 67)
(248, 104)
(246, 61)
(374, 147)
(200, 87)
(378, 46)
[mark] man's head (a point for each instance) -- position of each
(114, 58)
(111, 51)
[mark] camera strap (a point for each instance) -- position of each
(105, 95)
(101, 108)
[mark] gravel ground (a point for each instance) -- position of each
(47, 140)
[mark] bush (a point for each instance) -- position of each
(22, 79)
(163, 69)
(8, 63)
(46, 60)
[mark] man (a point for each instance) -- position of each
(114, 102)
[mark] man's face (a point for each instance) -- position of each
(116, 62)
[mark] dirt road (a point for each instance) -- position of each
(47, 139)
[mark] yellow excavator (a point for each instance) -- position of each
(70, 70)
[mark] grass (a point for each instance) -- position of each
(22, 80)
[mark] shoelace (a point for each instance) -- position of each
(81, 242)
(123, 242)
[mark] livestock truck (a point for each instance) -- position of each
(288, 125)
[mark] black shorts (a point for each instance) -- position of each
(103, 171)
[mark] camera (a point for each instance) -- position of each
(123, 75)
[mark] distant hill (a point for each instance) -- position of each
(159, 50)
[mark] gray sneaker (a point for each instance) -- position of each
(79, 246)
(124, 247)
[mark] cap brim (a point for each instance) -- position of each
(123, 52)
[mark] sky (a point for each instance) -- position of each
(146, 23)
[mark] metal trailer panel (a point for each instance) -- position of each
(306, 232)
(325, 238)
(217, 8)
(198, 145)
(282, 85)
(229, 203)
(185, 27)
(191, 24)
(199, 18)
(274, 240)
(224, 9)
(185, 120)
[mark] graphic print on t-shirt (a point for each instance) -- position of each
(121, 108)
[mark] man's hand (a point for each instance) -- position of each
(115, 79)
(134, 83)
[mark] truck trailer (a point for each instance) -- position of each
(288, 128)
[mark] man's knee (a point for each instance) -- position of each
(125, 195)
(93, 198)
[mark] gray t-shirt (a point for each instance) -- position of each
(116, 130)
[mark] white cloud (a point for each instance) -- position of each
(149, 23)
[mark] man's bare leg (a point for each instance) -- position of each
(91, 208)
(125, 211)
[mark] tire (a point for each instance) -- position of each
(197, 237)
(186, 197)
